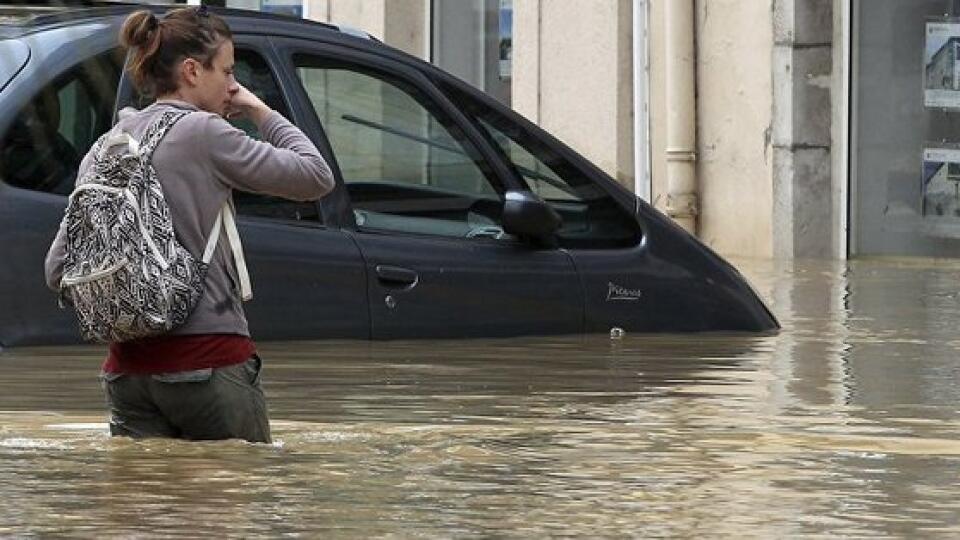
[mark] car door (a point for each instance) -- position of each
(424, 204)
(308, 278)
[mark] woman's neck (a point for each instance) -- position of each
(176, 96)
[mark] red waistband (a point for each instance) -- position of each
(170, 353)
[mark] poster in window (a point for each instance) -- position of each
(506, 38)
(941, 183)
(941, 65)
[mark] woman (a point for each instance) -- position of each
(201, 380)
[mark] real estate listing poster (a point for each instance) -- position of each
(941, 182)
(941, 65)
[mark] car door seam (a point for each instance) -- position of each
(365, 264)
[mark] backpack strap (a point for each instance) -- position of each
(147, 144)
(226, 219)
(157, 130)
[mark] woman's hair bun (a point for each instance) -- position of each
(139, 29)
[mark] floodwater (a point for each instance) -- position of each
(846, 423)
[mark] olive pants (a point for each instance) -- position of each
(205, 404)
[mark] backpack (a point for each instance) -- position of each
(125, 273)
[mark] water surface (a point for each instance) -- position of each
(846, 423)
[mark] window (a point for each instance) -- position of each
(43, 147)
(405, 165)
(591, 217)
(252, 71)
(473, 39)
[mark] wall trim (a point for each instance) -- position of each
(642, 185)
(851, 139)
(843, 112)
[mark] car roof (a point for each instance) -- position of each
(18, 20)
(21, 21)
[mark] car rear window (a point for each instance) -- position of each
(13, 56)
(43, 145)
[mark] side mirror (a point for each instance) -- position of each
(526, 215)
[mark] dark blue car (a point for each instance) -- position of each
(452, 217)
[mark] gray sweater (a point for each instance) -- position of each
(199, 162)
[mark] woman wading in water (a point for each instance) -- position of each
(201, 380)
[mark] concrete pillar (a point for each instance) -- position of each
(398, 23)
(573, 75)
(805, 205)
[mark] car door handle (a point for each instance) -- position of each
(395, 276)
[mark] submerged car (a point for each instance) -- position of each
(452, 215)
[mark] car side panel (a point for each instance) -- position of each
(308, 282)
(668, 283)
(468, 288)
(28, 309)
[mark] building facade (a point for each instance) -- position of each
(770, 128)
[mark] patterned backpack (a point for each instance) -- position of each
(125, 273)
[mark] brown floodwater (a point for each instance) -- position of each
(845, 423)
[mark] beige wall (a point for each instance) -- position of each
(734, 40)
(572, 75)
(525, 94)
(734, 118)
(399, 23)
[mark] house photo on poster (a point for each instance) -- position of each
(941, 183)
(941, 69)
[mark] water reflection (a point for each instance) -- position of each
(844, 423)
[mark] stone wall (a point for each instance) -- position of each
(803, 182)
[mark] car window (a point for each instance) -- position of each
(591, 217)
(253, 72)
(42, 148)
(405, 165)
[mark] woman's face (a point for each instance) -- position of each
(216, 85)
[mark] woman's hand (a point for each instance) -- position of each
(245, 104)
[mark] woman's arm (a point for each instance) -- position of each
(285, 164)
